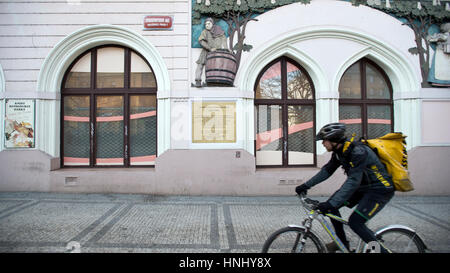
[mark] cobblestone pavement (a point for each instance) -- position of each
(47, 222)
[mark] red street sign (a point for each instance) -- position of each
(159, 22)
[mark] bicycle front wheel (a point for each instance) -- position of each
(293, 240)
(401, 240)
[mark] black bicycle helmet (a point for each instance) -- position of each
(334, 132)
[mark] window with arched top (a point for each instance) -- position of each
(365, 100)
(284, 115)
(109, 109)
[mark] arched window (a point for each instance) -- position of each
(108, 109)
(284, 115)
(365, 100)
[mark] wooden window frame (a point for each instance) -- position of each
(284, 102)
(364, 102)
(93, 92)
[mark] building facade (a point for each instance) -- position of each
(95, 99)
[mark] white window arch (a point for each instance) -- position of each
(110, 109)
(285, 115)
(404, 80)
(66, 51)
(365, 100)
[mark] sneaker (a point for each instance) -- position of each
(332, 247)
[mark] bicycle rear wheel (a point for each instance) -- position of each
(401, 240)
(293, 240)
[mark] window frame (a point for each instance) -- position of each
(364, 102)
(126, 92)
(284, 102)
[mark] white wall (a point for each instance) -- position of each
(29, 30)
(435, 124)
(330, 52)
(35, 33)
(326, 37)
(2, 106)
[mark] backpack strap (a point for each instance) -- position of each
(348, 144)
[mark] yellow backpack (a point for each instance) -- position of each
(391, 149)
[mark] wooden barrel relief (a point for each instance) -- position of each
(220, 67)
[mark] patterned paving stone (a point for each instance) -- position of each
(148, 225)
(109, 223)
(50, 222)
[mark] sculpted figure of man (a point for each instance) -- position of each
(212, 38)
(441, 58)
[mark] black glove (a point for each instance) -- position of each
(325, 207)
(302, 189)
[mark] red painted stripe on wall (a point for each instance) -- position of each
(264, 138)
(134, 159)
(109, 119)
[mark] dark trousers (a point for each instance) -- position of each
(369, 204)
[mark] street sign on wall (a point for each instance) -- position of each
(158, 22)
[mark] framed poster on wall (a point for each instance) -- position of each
(213, 122)
(19, 123)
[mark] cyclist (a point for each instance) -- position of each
(368, 184)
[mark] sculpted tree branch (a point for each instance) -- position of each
(237, 14)
(420, 16)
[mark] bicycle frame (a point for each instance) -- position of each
(360, 245)
(330, 230)
(314, 214)
(305, 231)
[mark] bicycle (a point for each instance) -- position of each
(301, 239)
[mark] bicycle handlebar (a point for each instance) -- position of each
(312, 204)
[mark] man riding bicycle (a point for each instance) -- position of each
(368, 183)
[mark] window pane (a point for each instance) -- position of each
(76, 130)
(300, 135)
(377, 87)
(297, 83)
(269, 86)
(379, 122)
(350, 84)
(110, 130)
(110, 67)
(142, 130)
(141, 74)
(269, 135)
(80, 74)
(351, 116)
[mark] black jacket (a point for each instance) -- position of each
(364, 170)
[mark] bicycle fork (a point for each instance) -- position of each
(300, 240)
